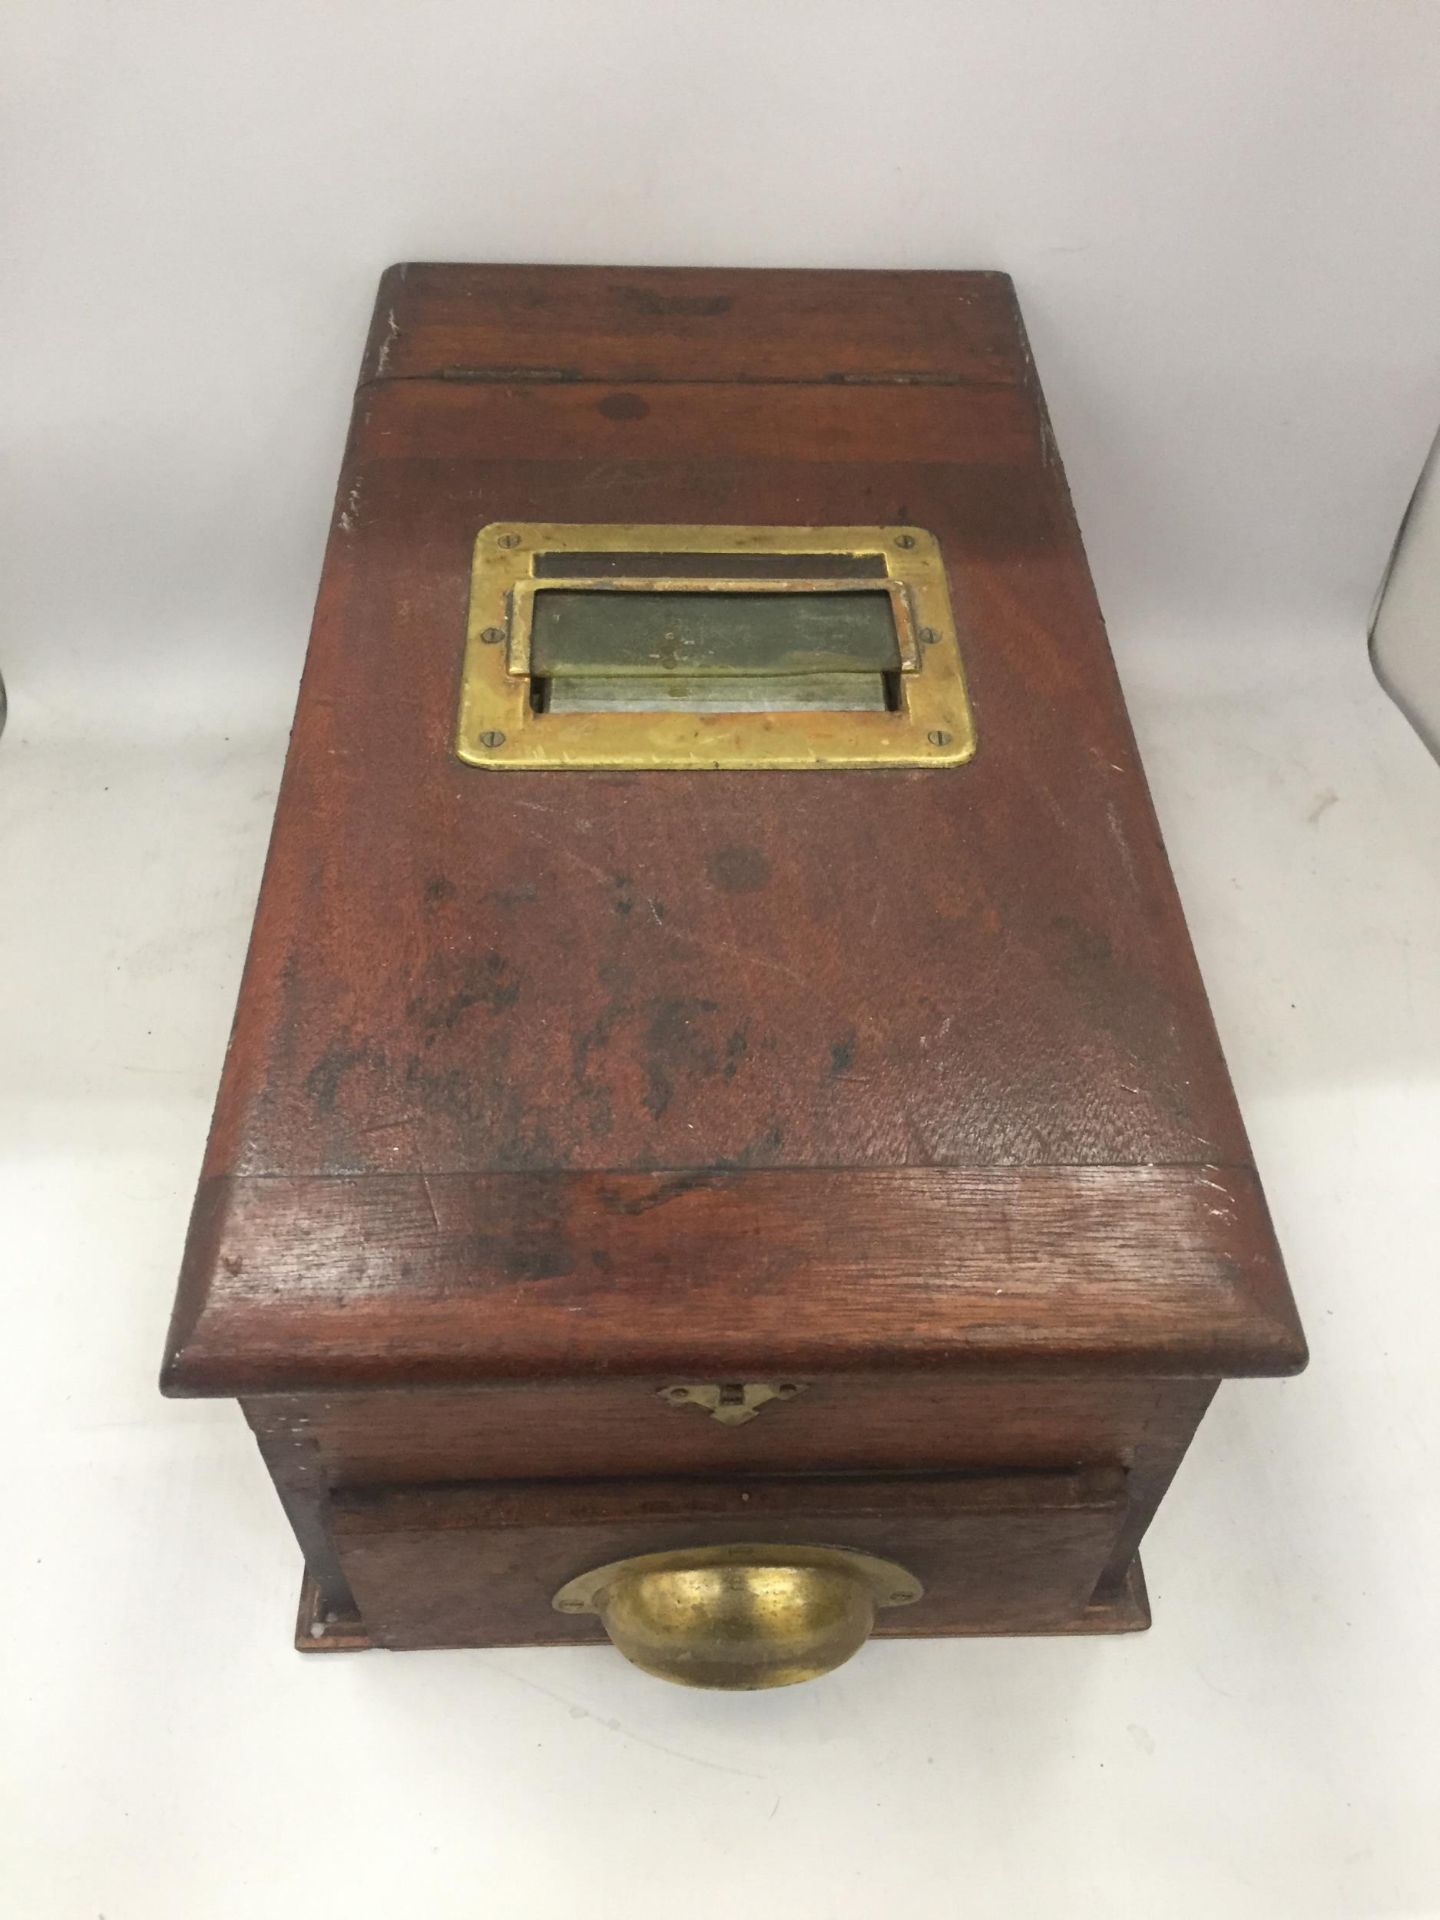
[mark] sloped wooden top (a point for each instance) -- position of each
(459, 974)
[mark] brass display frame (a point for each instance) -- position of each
(498, 726)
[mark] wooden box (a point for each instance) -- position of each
(763, 1145)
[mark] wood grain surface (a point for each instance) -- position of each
(476, 1566)
(455, 970)
(841, 1423)
(549, 1089)
(320, 1446)
(651, 324)
(438, 1280)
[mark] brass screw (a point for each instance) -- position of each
(509, 540)
(939, 739)
(928, 636)
(905, 540)
(494, 739)
(492, 636)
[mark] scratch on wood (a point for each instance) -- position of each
(1117, 834)
(388, 1126)
(586, 866)
(711, 945)
(429, 1199)
(563, 853)
(392, 331)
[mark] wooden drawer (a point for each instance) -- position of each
(478, 1565)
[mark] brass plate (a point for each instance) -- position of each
(499, 727)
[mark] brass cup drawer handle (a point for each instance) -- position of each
(740, 1617)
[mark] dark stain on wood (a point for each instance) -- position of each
(842, 1053)
(678, 1047)
(737, 1045)
(738, 869)
(622, 406)
(488, 981)
(658, 305)
(325, 1079)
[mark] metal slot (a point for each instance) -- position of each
(735, 565)
(738, 693)
(711, 647)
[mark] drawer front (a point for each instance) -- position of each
(479, 1565)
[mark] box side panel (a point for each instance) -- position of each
(324, 1449)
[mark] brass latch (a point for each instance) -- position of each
(732, 1403)
(700, 647)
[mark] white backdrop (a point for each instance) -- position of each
(1222, 219)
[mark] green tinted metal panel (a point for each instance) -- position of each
(614, 632)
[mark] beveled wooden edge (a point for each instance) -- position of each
(637, 326)
(1125, 1609)
(326, 1283)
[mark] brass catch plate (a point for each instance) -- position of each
(732, 1403)
(506, 720)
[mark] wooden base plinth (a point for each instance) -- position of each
(321, 1629)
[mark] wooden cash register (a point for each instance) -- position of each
(723, 1142)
